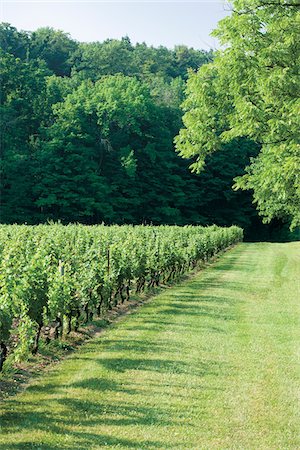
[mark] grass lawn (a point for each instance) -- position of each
(212, 363)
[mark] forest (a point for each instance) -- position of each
(88, 136)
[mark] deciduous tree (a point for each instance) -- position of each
(252, 90)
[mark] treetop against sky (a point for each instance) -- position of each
(167, 23)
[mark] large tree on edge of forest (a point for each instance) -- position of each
(252, 89)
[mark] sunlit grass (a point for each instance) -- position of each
(210, 364)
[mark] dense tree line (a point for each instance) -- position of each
(87, 136)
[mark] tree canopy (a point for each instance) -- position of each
(88, 129)
(251, 90)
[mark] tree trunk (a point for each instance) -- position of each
(86, 310)
(57, 327)
(77, 319)
(121, 294)
(99, 305)
(127, 292)
(69, 323)
(3, 354)
(37, 339)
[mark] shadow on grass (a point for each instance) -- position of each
(87, 441)
(75, 420)
(162, 366)
(79, 417)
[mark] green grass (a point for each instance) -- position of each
(210, 364)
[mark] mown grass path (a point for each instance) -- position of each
(210, 364)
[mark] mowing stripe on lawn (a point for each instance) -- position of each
(212, 363)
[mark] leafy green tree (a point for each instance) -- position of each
(218, 202)
(113, 56)
(14, 42)
(21, 110)
(186, 58)
(98, 145)
(158, 61)
(69, 186)
(105, 58)
(252, 90)
(55, 47)
(98, 159)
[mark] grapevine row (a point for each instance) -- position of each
(60, 276)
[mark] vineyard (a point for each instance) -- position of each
(55, 277)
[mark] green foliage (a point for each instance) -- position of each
(97, 59)
(274, 178)
(98, 145)
(56, 48)
(252, 90)
(128, 161)
(50, 273)
(26, 330)
(21, 109)
(107, 58)
(13, 41)
(212, 363)
(5, 322)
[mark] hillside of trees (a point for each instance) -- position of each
(88, 136)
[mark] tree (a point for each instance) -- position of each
(98, 145)
(55, 47)
(68, 183)
(188, 58)
(21, 111)
(108, 156)
(252, 90)
(14, 42)
(105, 58)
